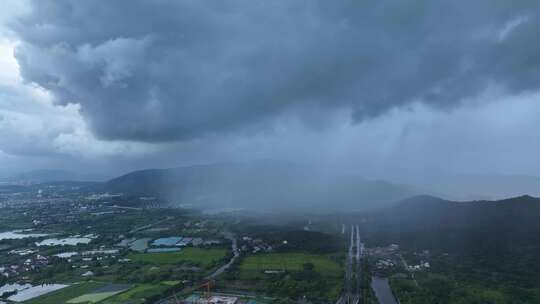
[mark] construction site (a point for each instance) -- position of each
(204, 294)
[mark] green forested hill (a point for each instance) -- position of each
(497, 238)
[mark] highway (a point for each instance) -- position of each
(349, 269)
(358, 265)
(353, 268)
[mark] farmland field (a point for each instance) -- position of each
(203, 257)
(257, 264)
(100, 294)
(92, 297)
(66, 294)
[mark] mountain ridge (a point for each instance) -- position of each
(259, 183)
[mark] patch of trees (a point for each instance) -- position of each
(305, 284)
(300, 240)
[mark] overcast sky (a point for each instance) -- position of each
(384, 88)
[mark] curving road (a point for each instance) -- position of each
(236, 254)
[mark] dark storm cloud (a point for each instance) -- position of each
(175, 70)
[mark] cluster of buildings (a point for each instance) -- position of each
(87, 256)
(183, 241)
(165, 244)
(422, 266)
(196, 299)
(177, 241)
(218, 299)
(30, 264)
(249, 244)
(384, 264)
(387, 257)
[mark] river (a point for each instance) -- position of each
(382, 290)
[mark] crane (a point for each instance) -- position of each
(207, 294)
(208, 286)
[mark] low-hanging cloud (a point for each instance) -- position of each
(177, 70)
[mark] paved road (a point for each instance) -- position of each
(349, 269)
(358, 265)
(236, 254)
(168, 218)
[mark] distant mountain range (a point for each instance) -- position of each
(46, 176)
(272, 182)
(260, 184)
(466, 187)
(279, 184)
(428, 212)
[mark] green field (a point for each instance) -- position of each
(138, 294)
(202, 257)
(92, 297)
(256, 264)
(65, 294)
